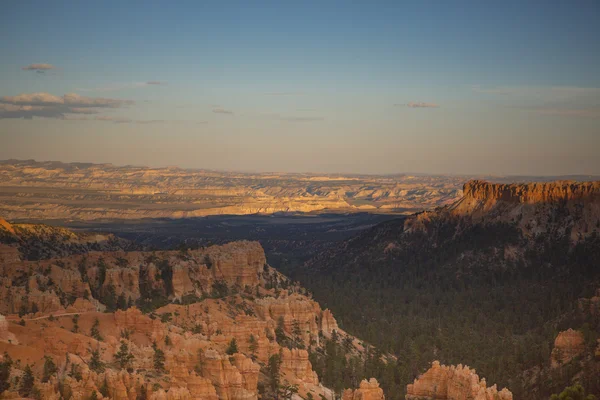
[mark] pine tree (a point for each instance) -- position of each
(27, 382)
(123, 356)
(121, 302)
(5, 368)
(253, 344)
(49, 369)
(232, 348)
(159, 358)
(94, 396)
(96, 363)
(75, 323)
(279, 331)
(273, 372)
(95, 332)
(75, 372)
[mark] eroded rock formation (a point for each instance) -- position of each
(442, 382)
(231, 297)
(368, 390)
(567, 345)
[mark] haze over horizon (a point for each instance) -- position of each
(463, 88)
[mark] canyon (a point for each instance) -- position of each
(212, 299)
(443, 285)
(84, 191)
(504, 280)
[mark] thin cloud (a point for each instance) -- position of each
(542, 93)
(284, 94)
(116, 120)
(150, 121)
(418, 104)
(578, 113)
(46, 105)
(39, 68)
(302, 119)
(293, 118)
(124, 120)
(121, 86)
(222, 111)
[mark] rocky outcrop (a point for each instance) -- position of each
(441, 382)
(232, 381)
(298, 313)
(368, 390)
(295, 363)
(532, 192)
(234, 299)
(567, 345)
(5, 334)
(39, 241)
(557, 208)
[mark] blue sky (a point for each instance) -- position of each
(373, 87)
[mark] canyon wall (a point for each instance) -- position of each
(223, 312)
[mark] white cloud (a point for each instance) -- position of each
(29, 105)
(38, 67)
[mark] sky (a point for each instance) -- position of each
(456, 87)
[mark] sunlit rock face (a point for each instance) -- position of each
(442, 382)
(231, 297)
(535, 208)
(368, 390)
(568, 345)
(44, 190)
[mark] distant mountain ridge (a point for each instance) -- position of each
(83, 191)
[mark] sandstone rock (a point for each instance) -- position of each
(567, 345)
(532, 192)
(453, 383)
(368, 390)
(295, 364)
(5, 334)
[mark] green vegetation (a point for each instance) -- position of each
(75, 320)
(159, 359)
(455, 294)
(576, 392)
(5, 369)
(95, 332)
(232, 348)
(49, 369)
(124, 356)
(27, 382)
(96, 363)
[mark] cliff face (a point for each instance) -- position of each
(532, 192)
(441, 382)
(230, 295)
(561, 207)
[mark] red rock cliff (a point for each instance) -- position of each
(532, 192)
